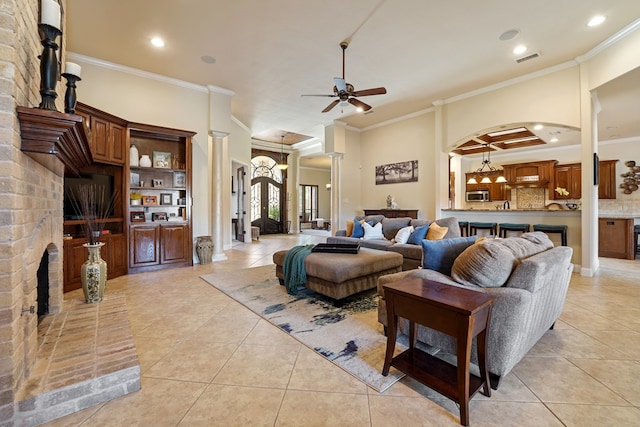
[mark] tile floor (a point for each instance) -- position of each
(208, 361)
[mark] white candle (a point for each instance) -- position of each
(50, 10)
(72, 68)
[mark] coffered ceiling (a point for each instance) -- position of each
(271, 52)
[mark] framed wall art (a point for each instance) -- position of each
(161, 160)
(179, 179)
(166, 199)
(394, 173)
(150, 200)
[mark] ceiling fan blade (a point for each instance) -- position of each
(367, 92)
(340, 84)
(359, 104)
(330, 106)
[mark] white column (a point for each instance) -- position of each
(217, 227)
(293, 183)
(336, 181)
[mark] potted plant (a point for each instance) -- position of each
(94, 205)
(135, 198)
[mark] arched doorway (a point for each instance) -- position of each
(267, 195)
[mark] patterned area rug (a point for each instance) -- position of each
(349, 336)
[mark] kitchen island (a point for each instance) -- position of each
(572, 219)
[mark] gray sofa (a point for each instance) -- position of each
(412, 254)
(529, 278)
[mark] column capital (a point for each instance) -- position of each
(216, 134)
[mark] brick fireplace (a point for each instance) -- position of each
(31, 228)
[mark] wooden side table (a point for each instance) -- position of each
(458, 312)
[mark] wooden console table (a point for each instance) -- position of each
(458, 312)
(393, 213)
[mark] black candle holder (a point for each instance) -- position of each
(48, 66)
(70, 94)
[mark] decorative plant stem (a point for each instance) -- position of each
(90, 201)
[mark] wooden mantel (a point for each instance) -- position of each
(58, 141)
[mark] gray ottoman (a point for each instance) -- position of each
(341, 275)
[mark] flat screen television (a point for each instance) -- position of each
(71, 186)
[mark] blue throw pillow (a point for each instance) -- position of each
(418, 235)
(358, 230)
(439, 255)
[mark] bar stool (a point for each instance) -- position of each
(505, 227)
(464, 228)
(561, 229)
(636, 233)
(475, 226)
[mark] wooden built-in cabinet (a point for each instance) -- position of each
(146, 242)
(569, 177)
(108, 135)
(530, 174)
(160, 226)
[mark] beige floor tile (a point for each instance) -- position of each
(230, 406)
(159, 403)
(265, 333)
(226, 329)
(259, 366)
(192, 360)
(308, 408)
(174, 327)
(391, 411)
(595, 415)
(556, 380)
(627, 342)
(492, 413)
(581, 318)
(151, 350)
(620, 376)
(313, 372)
(573, 343)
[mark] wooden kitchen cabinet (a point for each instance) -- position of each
(615, 238)
(497, 190)
(153, 246)
(570, 177)
(530, 174)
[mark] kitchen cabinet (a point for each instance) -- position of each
(569, 176)
(531, 174)
(497, 190)
(615, 238)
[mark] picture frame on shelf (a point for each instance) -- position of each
(157, 183)
(137, 217)
(134, 179)
(150, 200)
(166, 199)
(179, 179)
(161, 160)
(159, 216)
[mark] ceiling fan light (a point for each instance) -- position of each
(485, 180)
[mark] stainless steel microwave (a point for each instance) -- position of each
(478, 196)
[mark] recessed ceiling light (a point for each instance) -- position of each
(553, 140)
(509, 35)
(208, 59)
(359, 109)
(538, 127)
(519, 49)
(596, 20)
(157, 42)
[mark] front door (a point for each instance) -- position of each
(267, 202)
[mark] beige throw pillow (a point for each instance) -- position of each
(436, 232)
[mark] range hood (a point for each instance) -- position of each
(532, 181)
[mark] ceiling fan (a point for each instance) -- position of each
(345, 92)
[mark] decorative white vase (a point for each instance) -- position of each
(133, 156)
(145, 161)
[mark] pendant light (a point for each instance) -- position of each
(282, 165)
(486, 163)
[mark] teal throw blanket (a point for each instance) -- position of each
(295, 274)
